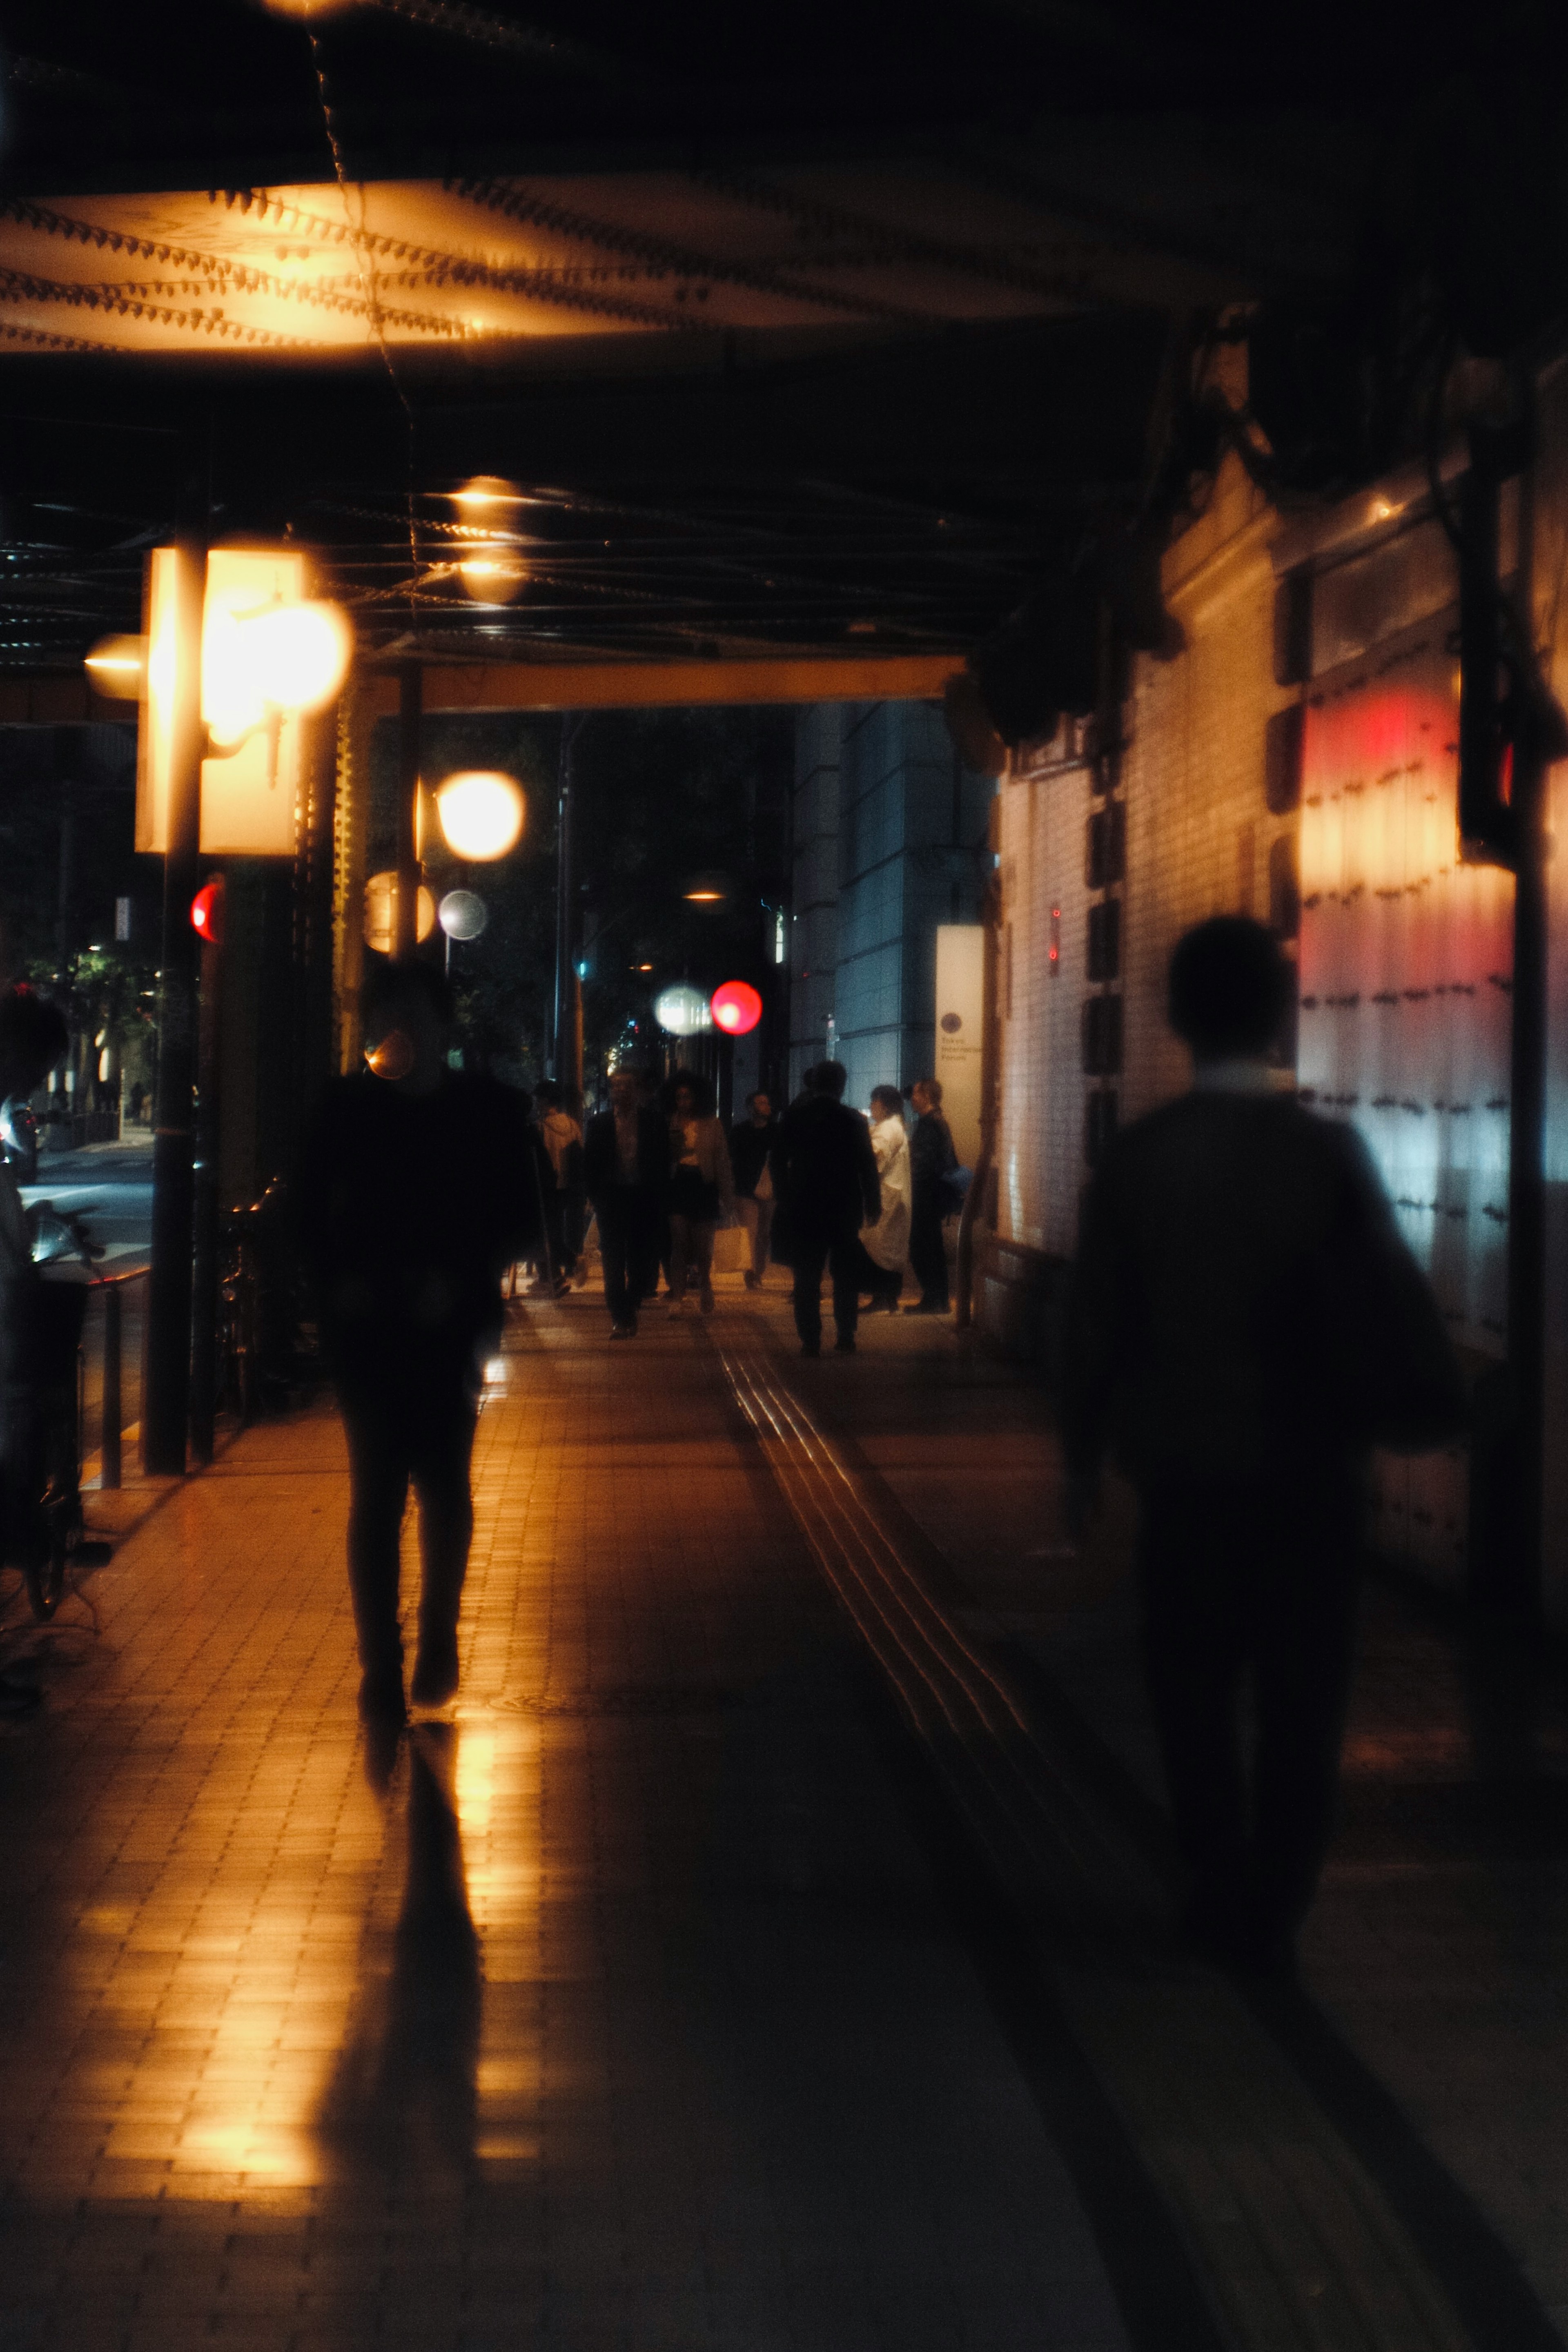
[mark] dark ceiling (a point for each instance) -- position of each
(901, 478)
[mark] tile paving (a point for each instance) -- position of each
(629, 2017)
(642, 2011)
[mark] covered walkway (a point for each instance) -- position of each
(772, 1948)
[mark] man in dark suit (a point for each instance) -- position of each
(417, 1190)
(1244, 1322)
(626, 1168)
(826, 1172)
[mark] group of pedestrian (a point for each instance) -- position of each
(1244, 1323)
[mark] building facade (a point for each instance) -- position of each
(890, 841)
(1298, 761)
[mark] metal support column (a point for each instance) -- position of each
(565, 1039)
(166, 1403)
(410, 717)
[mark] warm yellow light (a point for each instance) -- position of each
(705, 898)
(481, 814)
(380, 897)
(492, 575)
(485, 492)
(117, 667)
(300, 653)
(260, 659)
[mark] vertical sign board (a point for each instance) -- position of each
(959, 1031)
(250, 792)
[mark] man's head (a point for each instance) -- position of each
(887, 1102)
(407, 1012)
(760, 1108)
(547, 1094)
(33, 1038)
(626, 1090)
(926, 1095)
(1229, 986)
(830, 1079)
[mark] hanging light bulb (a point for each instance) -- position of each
(493, 574)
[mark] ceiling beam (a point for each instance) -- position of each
(632, 685)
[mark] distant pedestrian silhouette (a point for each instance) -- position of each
(825, 1172)
(752, 1141)
(625, 1168)
(1244, 1323)
(932, 1162)
(701, 1189)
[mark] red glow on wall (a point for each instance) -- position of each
(736, 1008)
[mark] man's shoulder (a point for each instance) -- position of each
(1204, 1121)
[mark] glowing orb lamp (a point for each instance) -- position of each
(680, 1010)
(481, 814)
(380, 899)
(737, 1008)
(462, 915)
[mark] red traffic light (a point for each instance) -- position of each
(736, 1007)
(206, 912)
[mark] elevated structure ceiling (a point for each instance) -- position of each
(828, 331)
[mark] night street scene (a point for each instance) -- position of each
(783, 1177)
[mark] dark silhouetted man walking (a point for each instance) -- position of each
(417, 1189)
(1244, 1322)
(825, 1172)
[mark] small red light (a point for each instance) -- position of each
(206, 912)
(736, 1007)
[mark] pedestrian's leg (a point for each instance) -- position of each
(642, 1248)
(442, 1452)
(1195, 1638)
(1306, 1648)
(374, 1426)
(844, 1259)
(762, 1235)
(614, 1239)
(703, 1231)
(928, 1251)
(748, 1211)
(679, 1259)
(810, 1256)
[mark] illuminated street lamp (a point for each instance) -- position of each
(234, 652)
(481, 814)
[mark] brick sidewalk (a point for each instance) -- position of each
(662, 2003)
(631, 2017)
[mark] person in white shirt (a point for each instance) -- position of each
(884, 1245)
